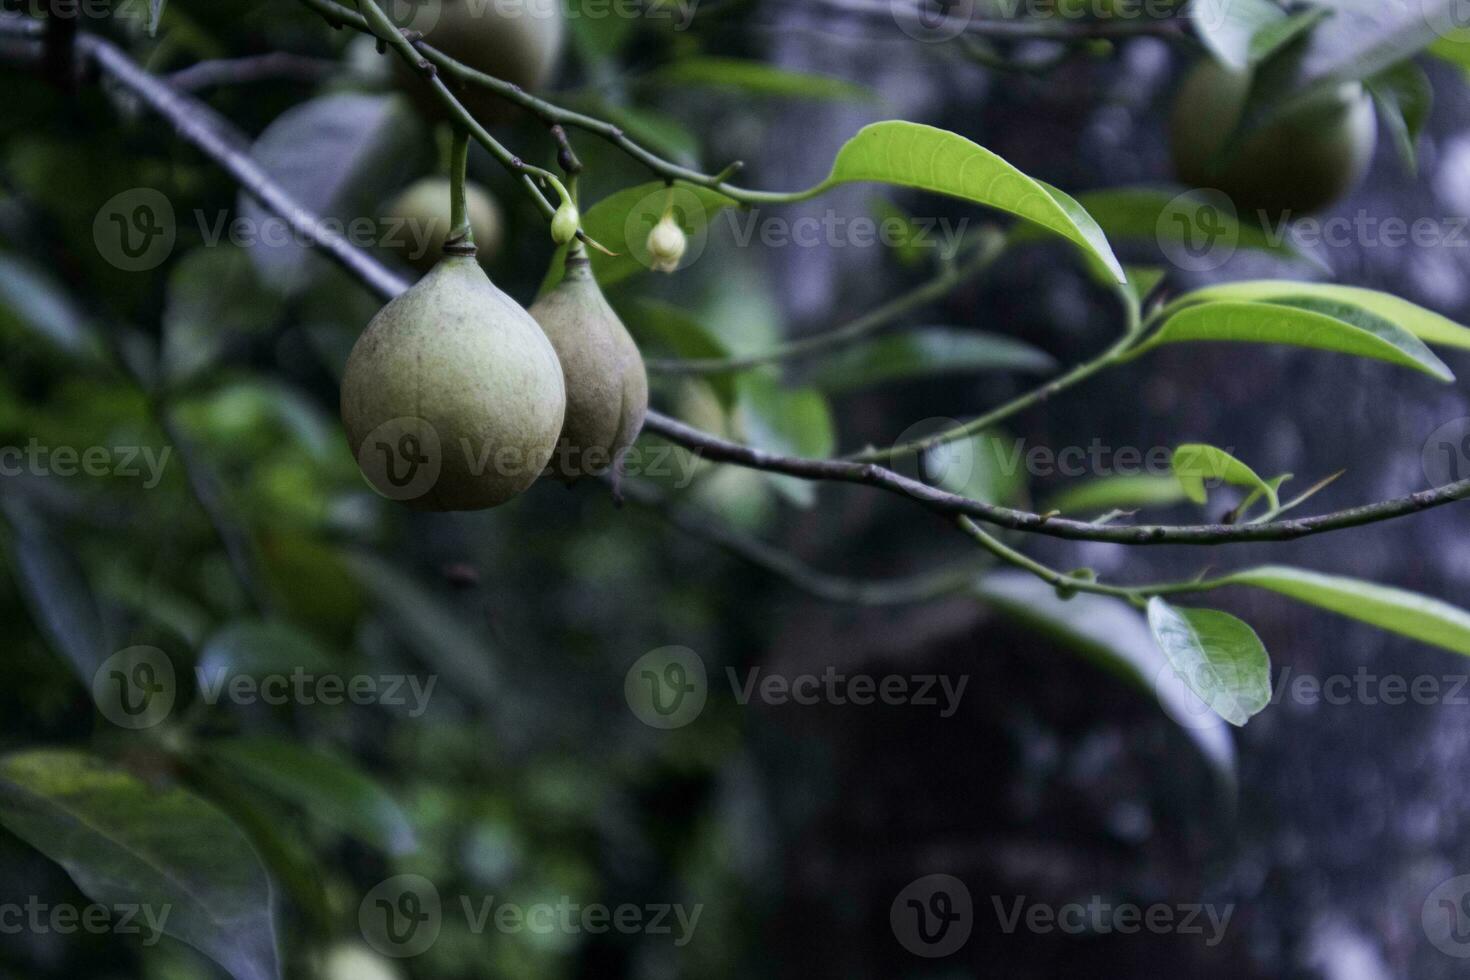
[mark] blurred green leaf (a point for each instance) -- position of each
(338, 155)
(214, 300)
(433, 631)
(1118, 492)
(790, 421)
(1216, 655)
(327, 786)
(1396, 610)
(126, 843)
(1116, 638)
(758, 78)
(253, 648)
(1404, 97)
(1229, 27)
(56, 589)
(664, 326)
(927, 352)
(32, 301)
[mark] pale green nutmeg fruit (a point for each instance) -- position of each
(517, 41)
(417, 222)
(606, 383)
(453, 398)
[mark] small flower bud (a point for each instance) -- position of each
(666, 244)
(564, 223)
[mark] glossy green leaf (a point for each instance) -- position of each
(1396, 610)
(1300, 322)
(1217, 656)
(923, 157)
(125, 842)
(758, 78)
(1428, 326)
(1118, 492)
(1195, 464)
(1116, 638)
(327, 786)
(925, 353)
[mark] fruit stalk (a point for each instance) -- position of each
(461, 240)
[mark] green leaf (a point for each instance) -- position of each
(1360, 39)
(62, 602)
(126, 843)
(1118, 492)
(1308, 322)
(1196, 463)
(1428, 326)
(1273, 37)
(925, 353)
(254, 648)
(433, 631)
(758, 78)
(678, 331)
(1116, 638)
(32, 301)
(155, 14)
(1141, 213)
(1229, 27)
(1396, 610)
(1217, 656)
(1404, 97)
(338, 155)
(327, 786)
(988, 466)
(789, 421)
(923, 157)
(214, 299)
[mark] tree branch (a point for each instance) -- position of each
(199, 125)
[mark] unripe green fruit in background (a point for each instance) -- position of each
(517, 41)
(607, 385)
(419, 222)
(453, 398)
(353, 961)
(1304, 159)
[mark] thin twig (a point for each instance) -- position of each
(277, 66)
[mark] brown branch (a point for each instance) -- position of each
(277, 66)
